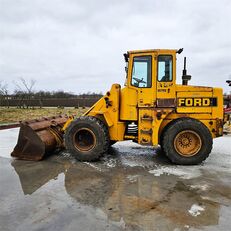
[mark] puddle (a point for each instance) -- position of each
(48, 192)
(132, 188)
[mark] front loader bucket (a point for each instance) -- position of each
(39, 137)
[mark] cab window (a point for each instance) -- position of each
(164, 68)
(142, 71)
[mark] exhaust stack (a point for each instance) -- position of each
(185, 77)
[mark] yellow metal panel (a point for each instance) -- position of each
(188, 88)
(107, 108)
(159, 115)
(194, 110)
(194, 93)
(218, 111)
(150, 120)
(145, 128)
(128, 107)
(194, 102)
(68, 122)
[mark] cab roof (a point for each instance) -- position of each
(153, 51)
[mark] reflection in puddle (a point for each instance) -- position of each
(34, 175)
(142, 203)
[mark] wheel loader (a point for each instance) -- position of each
(151, 109)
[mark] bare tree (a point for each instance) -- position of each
(4, 93)
(28, 86)
(25, 90)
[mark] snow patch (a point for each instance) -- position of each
(220, 157)
(206, 198)
(93, 166)
(8, 140)
(183, 172)
(132, 178)
(196, 210)
(200, 187)
(111, 163)
(122, 223)
(131, 163)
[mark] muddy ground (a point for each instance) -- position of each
(131, 188)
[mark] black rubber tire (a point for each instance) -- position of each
(162, 136)
(112, 142)
(187, 124)
(100, 131)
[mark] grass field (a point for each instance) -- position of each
(11, 115)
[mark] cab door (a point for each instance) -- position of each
(166, 69)
(143, 70)
(144, 80)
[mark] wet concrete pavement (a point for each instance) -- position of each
(132, 188)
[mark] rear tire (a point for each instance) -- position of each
(87, 138)
(187, 142)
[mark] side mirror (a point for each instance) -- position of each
(126, 57)
(180, 50)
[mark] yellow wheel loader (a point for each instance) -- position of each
(151, 109)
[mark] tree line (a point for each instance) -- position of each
(24, 92)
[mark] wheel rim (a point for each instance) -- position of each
(187, 143)
(84, 139)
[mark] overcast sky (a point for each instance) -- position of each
(77, 45)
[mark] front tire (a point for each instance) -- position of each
(87, 138)
(187, 142)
